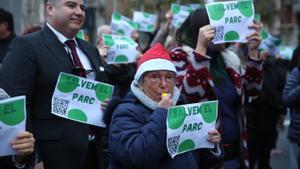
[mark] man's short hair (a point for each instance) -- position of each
(7, 17)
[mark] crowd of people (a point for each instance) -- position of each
(178, 67)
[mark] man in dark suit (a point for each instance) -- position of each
(32, 67)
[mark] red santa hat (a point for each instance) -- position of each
(156, 58)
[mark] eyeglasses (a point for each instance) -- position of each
(156, 77)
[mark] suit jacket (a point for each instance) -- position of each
(31, 68)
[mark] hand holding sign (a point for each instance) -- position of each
(12, 122)
(206, 33)
(24, 143)
(254, 41)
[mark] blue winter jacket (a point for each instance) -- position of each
(137, 140)
(291, 97)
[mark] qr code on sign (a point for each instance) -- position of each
(173, 144)
(60, 106)
(219, 35)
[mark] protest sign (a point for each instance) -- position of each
(231, 20)
(188, 126)
(79, 99)
(122, 49)
(180, 13)
(122, 25)
(12, 122)
(146, 21)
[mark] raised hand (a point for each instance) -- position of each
(206, 33)
(254, 40)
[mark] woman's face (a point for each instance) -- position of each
(154, 83)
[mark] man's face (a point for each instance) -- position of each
(66, 16)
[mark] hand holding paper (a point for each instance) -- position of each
(214, 136)
(24, 143)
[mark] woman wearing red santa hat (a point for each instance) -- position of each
(210, 72)
(138, 132)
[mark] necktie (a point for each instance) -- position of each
(79, 70)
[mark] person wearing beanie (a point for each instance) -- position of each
(210, 72)
(138, 132)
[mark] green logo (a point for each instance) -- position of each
(80, 35)
(231, 35)
(121, 59)
(77, 115)
(117, 17)
(12, 113)
(134, 25)
(175, 9)
(128, 40)
(108, 40)
(176, 117)
(67, 83)
(150, 28)
(216, 11)
(245, 7)
(209, 112)
(103, 91)
(186, 145)
(146, 15)
(120, 32)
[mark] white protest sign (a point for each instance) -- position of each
(146, 21)
(195, 6)
(122, 49)
(12, 122)
(188, 126)
(79, 99)
(180, 13)
(122, 25)
(231, 20)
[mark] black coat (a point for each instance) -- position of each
(31, 68)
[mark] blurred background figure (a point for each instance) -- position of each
(6, 33)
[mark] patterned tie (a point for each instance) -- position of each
(79, 70)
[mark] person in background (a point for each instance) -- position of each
(32, 67)
(210, 72)
(264, 112)
(138, 133)
(118, 75)
(291, 98)
(6, 33)
(163, 32)
(103, 29)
